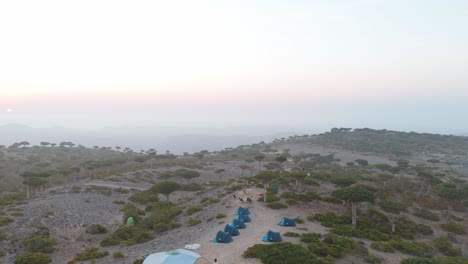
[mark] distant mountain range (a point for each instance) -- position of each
(177, 140)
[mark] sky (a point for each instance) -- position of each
(295, 65)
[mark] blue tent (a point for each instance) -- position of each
(272, 237)
(244, 218)
(238, 224)
(232, 230)
(287, 222)
(222, 237)
(242, 211)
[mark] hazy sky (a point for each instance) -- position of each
(394, 64)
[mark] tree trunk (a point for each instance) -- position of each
(421, 189)
(392, 221)
(27, 192)
(449, 212)
(265, 194)
(353, 214)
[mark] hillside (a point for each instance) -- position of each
(411, 200)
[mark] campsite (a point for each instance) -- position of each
(221, 206)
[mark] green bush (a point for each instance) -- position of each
(192, 222)
(291, 201)
(373, 259)
(119, 202)
(368, 233)
(219, 216)
(144, 197)
(298, 220)
(309, 181)
(310, 237)
(419, 261)
(291, 234)
(453, 228)
(343, 181)
(280, 253)
(96, 229)
(138, 261)
(445, 247)
(193, 209)
(121, 190)
(289, 195)
(5, 220)
(118, 255)
(91, 253)
(330, 219)
(40, 243)
(419, 249)
(382, 246)
(452, 260)
(36, 258)
(160, 227)
(335, 246)
(426, 214)
(214, 200)
(277, 205)
(127, 235)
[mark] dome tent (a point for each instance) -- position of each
(238, 224)
(287, 222)
(272, 237)
(231, 229)
(244, 218)
(222, 237)
(242, 211)
(178, 256)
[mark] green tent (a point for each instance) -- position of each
(130, 221)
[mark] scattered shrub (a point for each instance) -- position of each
(343, 181)
(426, 214)
(330, 219)
(453, 228)
(335, 246)
(193, 209)
(5, 220)
(373, 259)
(277, 205)
(383, 247)
(291, 201)
(127, 235)
(309, 181)
(121, 190)
(419, 261)
(91, 253)
(36, 258)
(280, 253)
(119, 202)
(144, 197)
(40, 243)
(291, 234)
(299, 220)
(192, 222)
(96, 229)
(419, 249)
(218, 216)
(445, 247)
(118, 255)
